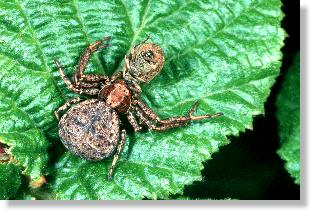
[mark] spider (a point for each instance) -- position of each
(91, 128)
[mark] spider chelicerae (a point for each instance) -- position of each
(91, 128)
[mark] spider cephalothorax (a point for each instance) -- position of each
(91, 128)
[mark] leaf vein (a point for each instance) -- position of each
(214, 93)
(84, 31)
(198, 44)
(128, 16)
(156, 166)
(121, 189)
(170, 14)
(143, 22)
(32, 122)
(39, 48)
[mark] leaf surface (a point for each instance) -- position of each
(288, 115)
(226, 54)
(9, 179)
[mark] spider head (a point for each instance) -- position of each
(145, 61)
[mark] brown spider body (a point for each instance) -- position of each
(91, 128)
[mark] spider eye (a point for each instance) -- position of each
(148, 55)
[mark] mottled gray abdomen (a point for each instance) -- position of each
(90, 129)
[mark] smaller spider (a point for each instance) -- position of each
(91, 128)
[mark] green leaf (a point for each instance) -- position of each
(23, 118)
(226, 54)
(288, 115)
(28, 92)
(9, 180)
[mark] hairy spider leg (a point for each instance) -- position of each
(85, 84)
(65, 106)
(143, 120)
(79, 75)
(79, 90)
(144, 41)
(116, 156)
(173, 120)
(132, 120)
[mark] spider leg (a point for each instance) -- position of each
(136, 89)
(115, 76)
(179, 119)
(144, 41)
(132, 120)
(64, 78)
(65, 106)
(126, 66)
(116, 156)
(79, 75)
(89, 91)
(88, 85)
(134, 86)
(143, 120)
(93, 79)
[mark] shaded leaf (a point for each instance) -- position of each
(288, 115)
(9, 179)
(18, 130)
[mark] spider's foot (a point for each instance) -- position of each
(57, 63)
(193, 109)
(110, 175)
(137, 129)
(207, 116)
(103, 46)
(97, 45)
(57, 116)
(106, 38)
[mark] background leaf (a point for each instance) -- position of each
(25, 110)
(9, 179)
(288, 115)
(226, 54)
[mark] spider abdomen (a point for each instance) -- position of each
(90, 130)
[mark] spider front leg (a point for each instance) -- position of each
(116, 156)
